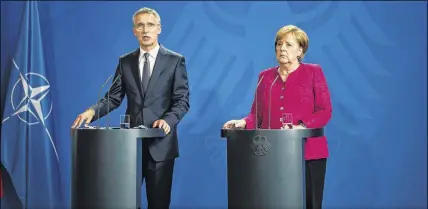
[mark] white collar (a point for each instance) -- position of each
(152, 53)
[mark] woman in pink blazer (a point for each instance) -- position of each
(298, 92)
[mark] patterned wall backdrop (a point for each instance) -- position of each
(373, 55)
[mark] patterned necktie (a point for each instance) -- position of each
(146, 72)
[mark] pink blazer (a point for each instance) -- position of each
(305, 95)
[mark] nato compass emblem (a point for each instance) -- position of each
(32, 101)
(260, 145)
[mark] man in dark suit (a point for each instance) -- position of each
(154, 79)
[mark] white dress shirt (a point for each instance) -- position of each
(152, 58)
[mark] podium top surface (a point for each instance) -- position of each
(141, 133)
(293, 133)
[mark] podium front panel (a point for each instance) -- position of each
(266, 168)
(106, 167)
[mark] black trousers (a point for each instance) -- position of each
(158, 178)
(315, 176)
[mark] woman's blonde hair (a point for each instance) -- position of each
(301, 37)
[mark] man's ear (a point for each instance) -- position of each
(160, 29)
(134, 31)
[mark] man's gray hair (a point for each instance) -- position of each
(146, 10)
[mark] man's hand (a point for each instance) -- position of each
(85, 116)
(163, 125)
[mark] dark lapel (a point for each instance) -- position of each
(136, 70)
(161, 60)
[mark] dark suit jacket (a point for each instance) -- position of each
(167, 97)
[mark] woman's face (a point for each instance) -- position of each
(288, 49)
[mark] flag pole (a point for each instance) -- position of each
(26, 138)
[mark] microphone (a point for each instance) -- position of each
(108, 100)
(98, 102)
(270, 95)
(257, 116)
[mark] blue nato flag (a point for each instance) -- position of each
(28, 150)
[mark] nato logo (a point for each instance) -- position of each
(260, 145)
(32, 99)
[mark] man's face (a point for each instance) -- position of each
(146, 29)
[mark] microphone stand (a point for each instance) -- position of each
(98, 102)
(108, 101)
(270, 97)
(257, 116)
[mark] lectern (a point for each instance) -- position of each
(106, 167)
(266, 168)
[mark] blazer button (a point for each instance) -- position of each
(282, 108)
(281, 97)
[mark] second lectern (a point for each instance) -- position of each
(266, 168)
(106, 167)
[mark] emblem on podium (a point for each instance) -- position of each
(260, 145)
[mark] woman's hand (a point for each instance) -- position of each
(293, 127)
(235, 124)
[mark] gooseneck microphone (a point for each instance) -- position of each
(257, 116)
(270, 97)
(108, 99)
(98, 102)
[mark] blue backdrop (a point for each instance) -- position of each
(373, 55)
